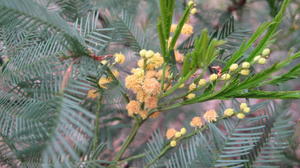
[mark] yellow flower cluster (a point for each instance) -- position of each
(241, 114)
(196, 122)
(262, 59)
(174, 135)
(103, 81)
(144, 82)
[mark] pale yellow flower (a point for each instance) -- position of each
(245, 65)
(151, 86)
(243, 106)
(262, 61)
(245, 72)
(228, 112)
(133, 82)
(202, 82)
(256, 58)
(133, 107)
(143, 53)
(149, 54)
(233, 67)
(246, 110)
(193, 11)
(140, 95)
(177, 134)
(191, 96)
(241, 115)
(192, 86)
(143, 114)
(196, 122)
(183, 131)
(119, 58)
(210, 116)
(151, 102)
(213, 77)
(173, 143)
(225, 76)
(170, 133)
(266, 52)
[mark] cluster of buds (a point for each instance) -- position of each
(144, 82)
(173, 135)
(262, 59)
(239, 114)
(192, 4)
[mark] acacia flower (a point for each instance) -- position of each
(245, 72)
(192, 86)
(243, 106)
(151, 86)
(140, 94)
(266, 52)
(170, 133)
(133, 107)
(191, 3)
(193, 11)
(225, 76)
(183, 131)
(210, 116)
(246, 110)
(177, 134)
(187, 29)
(151, 102)
(213, 77)
(191, 96)
(133, 82)
(256, 58)
(149, 54)
(202, 82)
(240, 115)
(262, 61)
(245, 65)
(173, 143)
(228, 112)
(143, 53)
(143, 114)
(196, 122)
(92, 94)
(233, 67)
(119, 58)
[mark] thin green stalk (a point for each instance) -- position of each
(97, 124)
(129, 139)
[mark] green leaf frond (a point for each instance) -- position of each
(128, 33)
(73, 9)
(95, 37)
(38, 18)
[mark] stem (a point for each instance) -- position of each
(165, 150)
(129, 139)
(97, 124)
